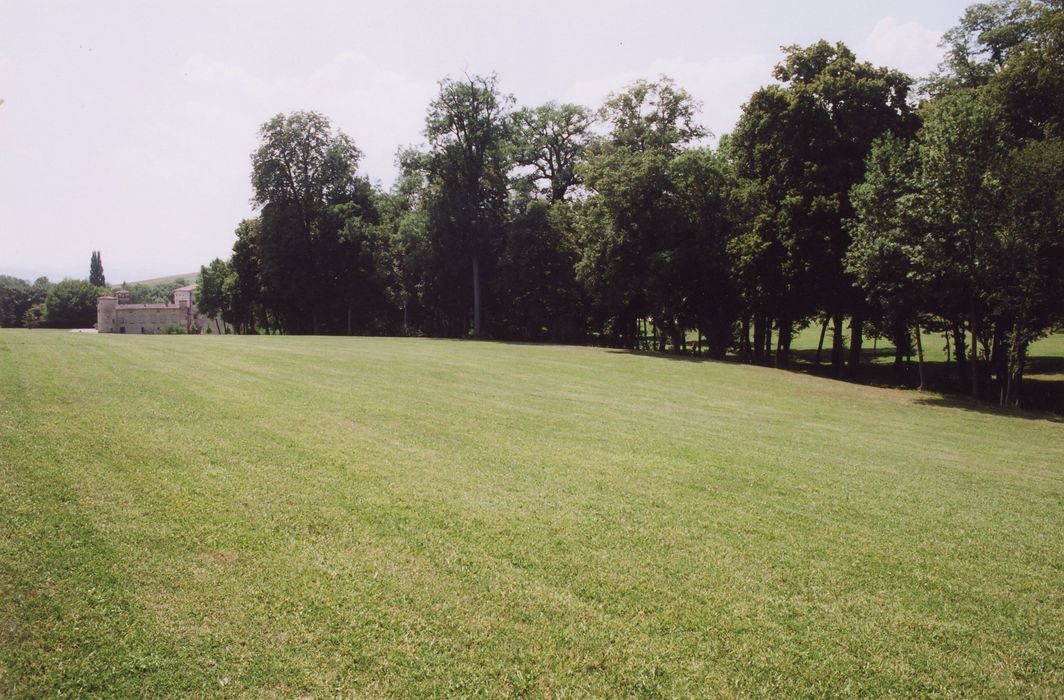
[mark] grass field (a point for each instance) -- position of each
(285, 517)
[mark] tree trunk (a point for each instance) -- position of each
(1017, 359)
(856, 341)
(958, 352)
(349, 317)
(768, 341)
(836, 347)
(999, 360)
(920, 355)
(820, 345)
(476, 297)
(900, 338)
(973, 355)
(679, 340)
(783, 344)
(759, 338)
(744, 340)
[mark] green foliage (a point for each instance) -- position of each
(242, 287)
(156, 293)
(71, 304)
(631, 255)
(984, 41)
(551, 140)
(802, 145)
(305, 181)
(889, 256)
(212, 292)
(1029, 87)
(18, 296)
(538, 297)
(468, 128)
(96, 277)
(33, 316)
(14, 295)
(530, 219)
(652, 116)
(974, 213)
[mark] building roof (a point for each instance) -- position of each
(186, 288)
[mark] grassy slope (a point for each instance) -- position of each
(282, 516)
(189, 277)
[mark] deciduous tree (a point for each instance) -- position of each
(468, 130)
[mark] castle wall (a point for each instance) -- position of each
(105, 314)
(150, 320)
(116, 315)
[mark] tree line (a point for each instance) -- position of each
(41, 303)
(848, 196)
(71, 303)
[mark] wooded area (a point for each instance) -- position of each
(849, 196)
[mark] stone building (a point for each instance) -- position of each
(116, 315)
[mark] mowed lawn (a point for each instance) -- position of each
(287, 516)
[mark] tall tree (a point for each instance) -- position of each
(702, 190)
(243, 286)
(468, 130)
(300, 174)
(891, 255)
(96, 277)
(212, 293)
(631, 255)
(1029, 294)
(961, 143)
(805, 142)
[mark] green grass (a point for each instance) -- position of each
(283, 516)
(807, 339)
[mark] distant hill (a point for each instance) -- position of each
(190, 276)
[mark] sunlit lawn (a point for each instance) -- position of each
(283, 516)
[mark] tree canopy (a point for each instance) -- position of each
(843, 196)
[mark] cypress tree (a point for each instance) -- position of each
(96, 277)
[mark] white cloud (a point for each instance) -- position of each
(907, 46)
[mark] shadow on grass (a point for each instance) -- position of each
(956, 402)
(1045, 365)
(678, 357)
(1043, 398)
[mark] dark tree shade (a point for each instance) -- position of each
(468, 128)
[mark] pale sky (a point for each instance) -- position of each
(128, 127)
